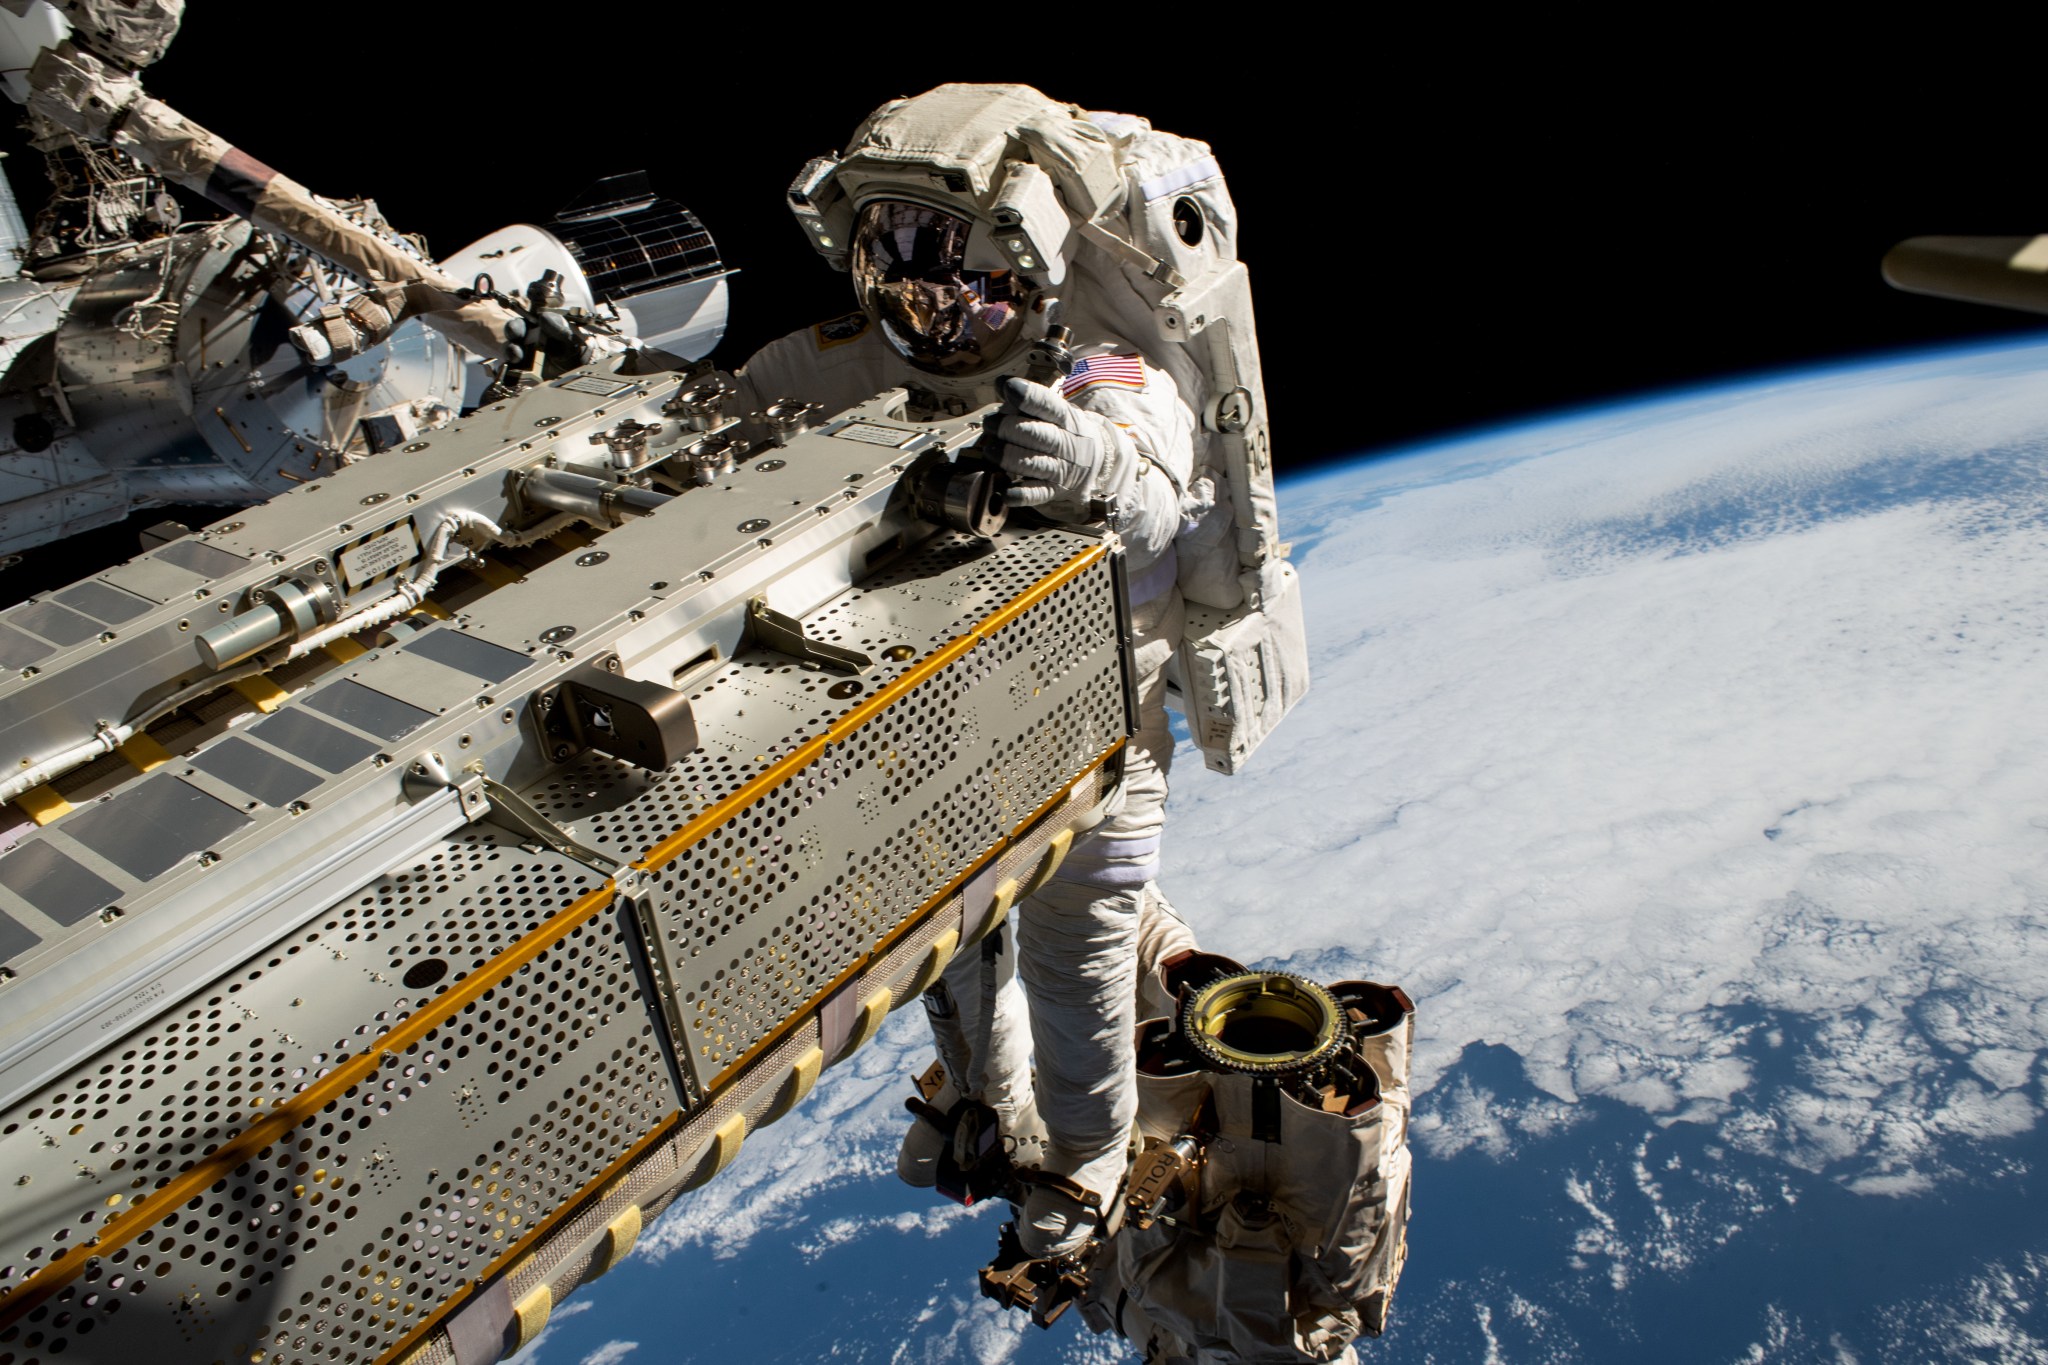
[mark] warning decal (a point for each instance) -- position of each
(379, 555)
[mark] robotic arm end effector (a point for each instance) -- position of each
(127, 36)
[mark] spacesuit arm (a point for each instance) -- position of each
(835, 364)
(1126, 444)
(1147, 513)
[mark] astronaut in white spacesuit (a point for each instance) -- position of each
(1114, 442)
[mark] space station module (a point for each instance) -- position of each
(152, 361)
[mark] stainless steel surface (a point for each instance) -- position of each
(382, 1030)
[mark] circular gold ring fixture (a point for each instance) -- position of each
(1264, 1022)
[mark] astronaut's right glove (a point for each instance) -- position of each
(1057, 452)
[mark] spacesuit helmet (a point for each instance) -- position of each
(957, 212)
(909, 268)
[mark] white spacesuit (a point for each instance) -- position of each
(1115, 436)
(962, 215)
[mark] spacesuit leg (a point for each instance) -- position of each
(995, 1067)
(976, 1012)
(987, 1061)
(1078, 944)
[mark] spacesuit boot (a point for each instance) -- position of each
(917, 1160)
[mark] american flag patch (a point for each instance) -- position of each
(1123, 371)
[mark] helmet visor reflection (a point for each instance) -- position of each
(907, 264)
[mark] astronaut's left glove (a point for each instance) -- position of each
(1057, 452)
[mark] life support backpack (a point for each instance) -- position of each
(1162, 269)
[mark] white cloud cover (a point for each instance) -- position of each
(1990, 1316)
(1994, 1316)
(1548, 738)
(611, 1353)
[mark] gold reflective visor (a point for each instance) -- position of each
(908, 267)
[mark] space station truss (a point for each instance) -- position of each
(403, 1130)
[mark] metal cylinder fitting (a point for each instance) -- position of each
(1264, 1023)
(276, 613)
(302, 605)
(962, 495)
(241, 635)
(558, 490)
(697, 407)
(785, 417)
(714, 457)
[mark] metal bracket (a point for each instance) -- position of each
(784, 634)
(1072, 1189)
(1231, 413)
(657, 989)
(483, 798)
(599, 707)
(1044, 1287)
(429, 773)
(509, 810)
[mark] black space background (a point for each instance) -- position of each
(1439, 237)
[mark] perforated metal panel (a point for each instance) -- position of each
(441, 1082)
(349, 1228)
(766, 911)
(759, 1089)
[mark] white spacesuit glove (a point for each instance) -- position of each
(1058, 452)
